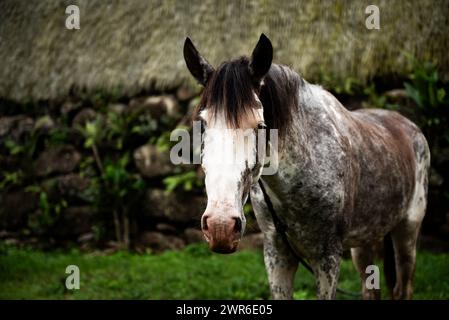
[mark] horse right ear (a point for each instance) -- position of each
(197, 65)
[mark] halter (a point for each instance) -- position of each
(280, 226)
(260, 126)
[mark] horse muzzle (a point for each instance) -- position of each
(222, 233)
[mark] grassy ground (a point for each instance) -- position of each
(193, 273)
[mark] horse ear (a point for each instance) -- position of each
(197, 65)
(261, 58)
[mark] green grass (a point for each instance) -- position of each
(193, 273)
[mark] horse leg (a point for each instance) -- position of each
(405, 234)
(404, 237)
(326, 270)
(362, 257)
(280, 262)
(281, 265)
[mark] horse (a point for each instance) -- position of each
(345, 180)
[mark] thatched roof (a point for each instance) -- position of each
(127, 46)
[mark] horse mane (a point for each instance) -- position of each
(230, 90)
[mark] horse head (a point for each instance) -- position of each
(231, 113)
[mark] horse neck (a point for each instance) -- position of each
(297, 140)
(295, 149)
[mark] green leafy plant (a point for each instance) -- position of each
(378, 100)
(120, 188)
(349, 86)
(430, 96)
(163, 142)
(185, 181)
(144, 125)
(58, 136)
(116, 128)
(11, 179)
(119, 180)
(14, 147)
(93, 133)
(49, 209)
(27, 145)
(114, 187)
(115, 190)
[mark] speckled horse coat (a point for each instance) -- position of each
(345, 180)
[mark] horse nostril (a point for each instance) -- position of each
(204, 222)
(238, 225)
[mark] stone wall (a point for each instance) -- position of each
(71, 171)
(63, 174)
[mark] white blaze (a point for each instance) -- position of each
(227, 154)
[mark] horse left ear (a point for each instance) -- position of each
(261, 59)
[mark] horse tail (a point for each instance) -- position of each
(389, 263)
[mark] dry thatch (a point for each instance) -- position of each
(125, 47)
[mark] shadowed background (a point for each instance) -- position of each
(86, 117)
